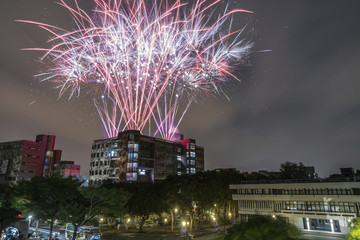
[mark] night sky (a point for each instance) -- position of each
(299, 103)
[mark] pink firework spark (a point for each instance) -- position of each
(150, 60)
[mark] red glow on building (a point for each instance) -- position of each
(68, 168)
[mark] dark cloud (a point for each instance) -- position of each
(299, 102)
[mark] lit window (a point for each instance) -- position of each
(178, 157)
(192, 154)
(192, 170)
(133, 156)
(192, 162)
(187, 154)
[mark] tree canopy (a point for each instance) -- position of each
(45, 196)
(355, 230)
(144, 199)
(8, 213)
(85, 204)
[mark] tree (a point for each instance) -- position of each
(355, 230)
(197, 194)
(290, 170)
(263, 227)
(8, 213)
(171, 199)
(85, 204)
(145, 199)
(45, 196)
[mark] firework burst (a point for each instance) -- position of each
(143, 62)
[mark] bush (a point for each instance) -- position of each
(263, 227)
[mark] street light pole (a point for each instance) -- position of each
(185, 232)
(30, 220)
(176, 210)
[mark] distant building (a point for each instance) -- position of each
(347, 172)
(132, 156)
(21, 160)
(69, 168)
(320, 206)
(310, 172)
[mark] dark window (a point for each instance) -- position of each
(356, 191)
(276, 191)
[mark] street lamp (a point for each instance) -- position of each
(185, 230)
(215, 225)
(165, 220)
(174, 219)
(30, 220)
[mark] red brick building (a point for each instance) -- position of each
(21, 160)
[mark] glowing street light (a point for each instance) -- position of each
(30, 220)
(165, 220)
(184, 228)
(176, 210)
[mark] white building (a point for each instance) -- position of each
(319, 206)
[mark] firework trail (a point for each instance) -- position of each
(143, 62)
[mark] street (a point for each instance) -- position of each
(205, 234)
(209, 236)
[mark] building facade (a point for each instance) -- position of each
(22, 160)
(69, 168)
(132, 156)
(320, 206)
